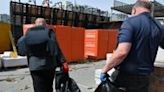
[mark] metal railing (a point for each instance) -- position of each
(119, 3)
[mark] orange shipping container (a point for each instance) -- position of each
(63, 34)
(96, 41)
(112, 40)
(77, 44)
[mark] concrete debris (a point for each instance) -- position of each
(8, 79)
(22, 78)
(25, 88)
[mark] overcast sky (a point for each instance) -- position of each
(102, 4)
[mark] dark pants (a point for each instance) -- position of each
(43, 80)
(133, 83)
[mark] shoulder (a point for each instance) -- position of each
(127, 23)
(37, 28)
(21, 38)
(134, 19)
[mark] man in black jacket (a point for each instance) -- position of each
(42, 65)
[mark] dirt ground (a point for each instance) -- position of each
(19, 79)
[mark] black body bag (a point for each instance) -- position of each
(63, 83)
(108, 86)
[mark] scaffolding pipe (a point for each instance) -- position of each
(153, 8)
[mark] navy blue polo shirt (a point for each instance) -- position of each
(145, 36)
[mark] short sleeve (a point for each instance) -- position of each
(126, 33)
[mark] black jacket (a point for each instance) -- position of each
(40, 63)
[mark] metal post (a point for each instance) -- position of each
(111, 17)
(153, 8)
(34, 2)
(75, 3)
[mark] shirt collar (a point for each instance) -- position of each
(146, 13)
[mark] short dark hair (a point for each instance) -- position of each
(144, 4)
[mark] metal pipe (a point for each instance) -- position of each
(153, 8)
(58, 3)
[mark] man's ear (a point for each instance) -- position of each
(133, 11)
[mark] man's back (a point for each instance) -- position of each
(38, 50)
(145, 37)
(44, 55)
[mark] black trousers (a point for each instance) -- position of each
(43, 80)
(133, 83)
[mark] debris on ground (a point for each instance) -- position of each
(8, 79)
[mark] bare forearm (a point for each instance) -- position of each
(118, 56)
(116, 59)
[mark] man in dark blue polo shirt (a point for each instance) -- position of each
(139, 39)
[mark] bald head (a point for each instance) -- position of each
(40, 22)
